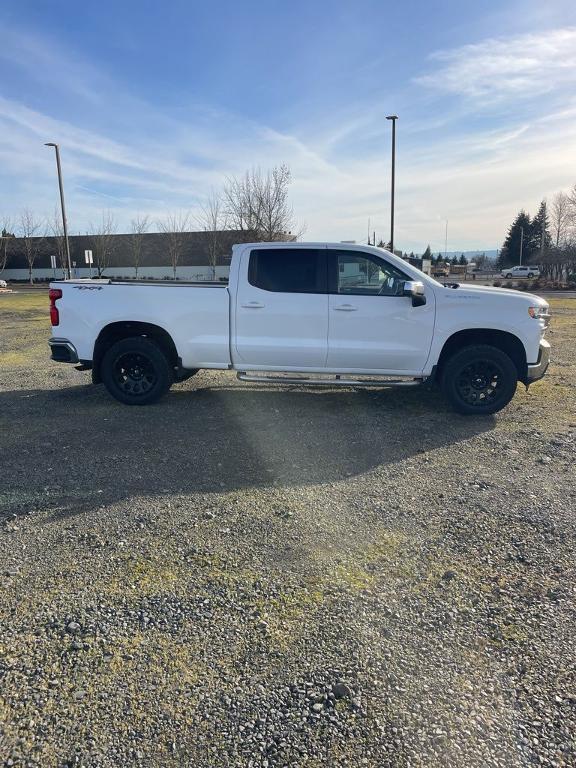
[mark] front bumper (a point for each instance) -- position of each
(538, 370)
(63, 351)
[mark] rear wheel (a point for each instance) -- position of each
(530, 274)
(479, 380)
(136, 372)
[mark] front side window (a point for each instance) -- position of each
(363, 275)
(288, 270)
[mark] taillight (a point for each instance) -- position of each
(54, 294)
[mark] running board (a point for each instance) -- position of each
(338, 381)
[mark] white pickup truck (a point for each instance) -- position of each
(310, 313)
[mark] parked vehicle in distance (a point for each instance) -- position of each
(3, 284)
(521, 271)
(440, 270)
(323, 313)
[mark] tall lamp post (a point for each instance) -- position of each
(64, 225)
(393, 118)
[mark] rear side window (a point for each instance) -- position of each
(288, 270)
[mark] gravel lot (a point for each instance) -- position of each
(246, 576)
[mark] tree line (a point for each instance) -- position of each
(548, 239)
(256, 205)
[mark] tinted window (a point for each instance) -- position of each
(288, 270)
(359, 274)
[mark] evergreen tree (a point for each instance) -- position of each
(428, 254)
(453, 260)
(463, 260)
(540, 239)
(510, 253)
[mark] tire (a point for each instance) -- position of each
(509, 276)
(530, 274)
(479, 380)
(136, 372)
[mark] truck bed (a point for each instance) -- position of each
(196, 315)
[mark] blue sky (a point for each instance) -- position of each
(155, 104)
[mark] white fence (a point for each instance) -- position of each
(155, 273)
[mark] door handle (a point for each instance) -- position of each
(253, 305)
(345, 308)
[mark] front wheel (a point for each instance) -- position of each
(479, 380)
(530, 274)
(136, 372)
(509, 276)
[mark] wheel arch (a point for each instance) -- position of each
(114, 332)
(504, 340)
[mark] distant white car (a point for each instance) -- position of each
(528, 271)
(3, 284)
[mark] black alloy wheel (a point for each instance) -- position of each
(134, 374)
(136, 371)
(478, 384)
(479, 379)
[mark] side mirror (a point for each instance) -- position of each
(415, 290)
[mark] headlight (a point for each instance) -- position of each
(540, 313)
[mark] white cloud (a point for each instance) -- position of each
(146, 160)
(523, 66)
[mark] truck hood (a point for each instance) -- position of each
(488, 291)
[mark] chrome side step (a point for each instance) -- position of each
(337, 381)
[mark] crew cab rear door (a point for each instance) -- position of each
(281, 319)
(373, 327)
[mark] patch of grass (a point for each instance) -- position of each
(352, 577)
(562, 303)
(16, 359)
(513, 633)
(145, 576)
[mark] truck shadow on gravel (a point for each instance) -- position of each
(75, 449)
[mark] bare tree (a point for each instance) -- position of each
(258, 203)
(571, 226)
(6, 235)
(560, 215)
(140, 226)
(32, 240)
(102, 242)
(174, 226)
(212, 220)
(57, 232)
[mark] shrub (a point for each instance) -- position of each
(497, 283)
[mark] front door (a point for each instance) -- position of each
(281, 317)
(372, 326)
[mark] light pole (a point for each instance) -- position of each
(521, 243)
(446, 241)
(393, 118)
(64, 226)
